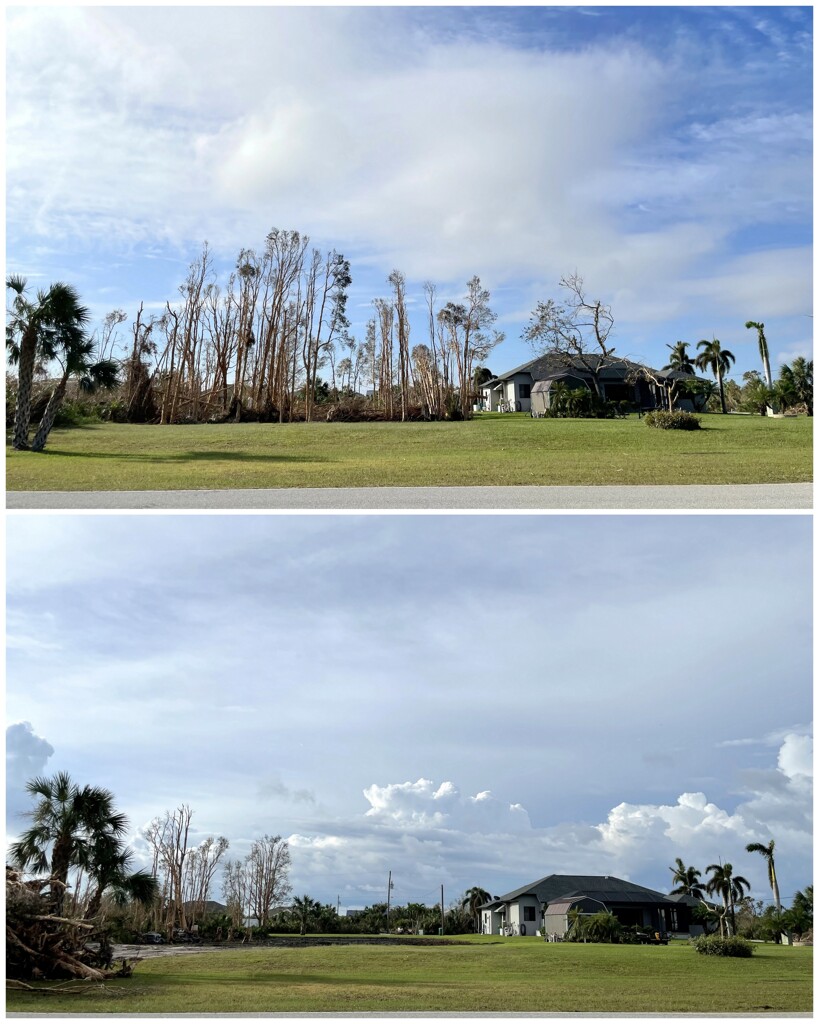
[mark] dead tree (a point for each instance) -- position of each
(168, 836)
(576, 330)
(399, 285)
(267, 866)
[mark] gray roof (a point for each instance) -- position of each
(545, 383)
(605, 888)
(552, 364)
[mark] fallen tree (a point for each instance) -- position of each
(43, 946)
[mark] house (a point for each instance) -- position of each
(527, 388)
(544, 906)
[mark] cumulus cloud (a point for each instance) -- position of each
(26, 757)
(796, 756)
(422, 804)
(430, 831)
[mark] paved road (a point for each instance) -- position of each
(689, 496)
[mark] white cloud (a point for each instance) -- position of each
(428, 831)
(796, 756)
(442, 153)
(422, 804)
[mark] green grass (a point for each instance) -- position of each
(510, 975)
(492, 449)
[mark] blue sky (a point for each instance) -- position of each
(664, 153)
(458, 699)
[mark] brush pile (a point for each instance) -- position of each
(42, 946)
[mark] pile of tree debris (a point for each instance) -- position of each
(41, 945)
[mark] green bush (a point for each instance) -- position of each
(75, 412)
(600, 927)
(713, 945)
(453, 406)
(672, 420)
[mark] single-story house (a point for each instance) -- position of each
(527, 388)
(543, 907)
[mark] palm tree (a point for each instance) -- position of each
(795, 384)
(578, 401)
(36, 328)
(65, 823)
(679, 359)
(718, 360)
(472, 902)
(305, 908)
(558, 397)
(767, 853)
(729, 887)
(108, 863)
(75, 360)
(687, 880)
(763, 349)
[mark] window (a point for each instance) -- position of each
(528, 913)
(525, 392)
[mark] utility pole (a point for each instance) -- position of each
(442, 910)
(338, 904)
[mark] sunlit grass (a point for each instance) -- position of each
(492, 449)
(510, 975)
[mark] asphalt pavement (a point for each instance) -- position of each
(677, 497)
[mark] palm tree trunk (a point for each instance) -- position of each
(25, 380)
(721, 392)
(775, 890)
(60, 863)
(47, 422)
(95, 902)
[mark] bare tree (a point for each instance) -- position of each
(234, 893)
(199, 868)
(399, 285)
(466, 325)
(576, 329)
(138, 376)
(384, 314)
(426, 376)
(108, 337)
(267, 866)
(168, 837)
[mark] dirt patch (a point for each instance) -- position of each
(149, 952)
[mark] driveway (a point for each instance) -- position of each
(682, 497)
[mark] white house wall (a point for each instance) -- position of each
(511, 392)
(520, 926)
(490, 398)
(491, 923)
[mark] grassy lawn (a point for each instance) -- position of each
(512, 975)
(492, 449)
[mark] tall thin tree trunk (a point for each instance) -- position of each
(721, 392)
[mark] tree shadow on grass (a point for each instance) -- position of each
(184, 457)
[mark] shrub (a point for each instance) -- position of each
(600, 927)
(672, 420)
(453, 406)
(74, 413)
(713, 945)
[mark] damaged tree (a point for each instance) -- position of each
(576, 329)
(43, 946)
